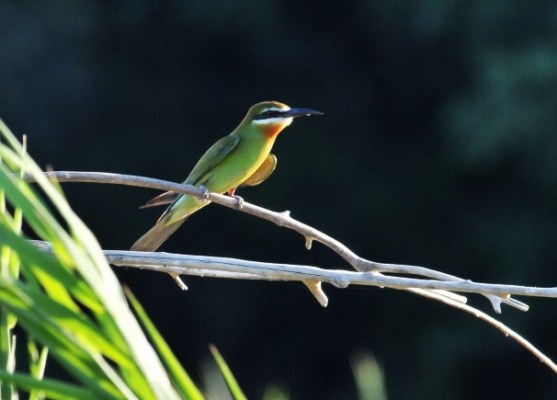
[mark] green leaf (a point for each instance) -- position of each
(49, 387)
(37, 364)
(181, 379)
(71, 300)
(231, 382)
(369, 377)
(50, 273)
(79, 362)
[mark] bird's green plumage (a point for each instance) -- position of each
(212, 157)
(226, 164)
(241, 157)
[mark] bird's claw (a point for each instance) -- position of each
(239, 202)
(204, 195)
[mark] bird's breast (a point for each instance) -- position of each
(272, 130)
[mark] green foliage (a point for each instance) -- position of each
(229, 378)
(70, 303)
(182, 381)
(275, 392)
(369, 377)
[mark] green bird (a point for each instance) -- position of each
(242, 158)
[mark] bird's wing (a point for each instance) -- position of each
(211, 158)
(263, 172)
(161, 200)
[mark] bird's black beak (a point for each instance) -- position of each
(300, 112)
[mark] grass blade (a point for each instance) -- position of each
(231, 382)
(181, 379)
(49, 387)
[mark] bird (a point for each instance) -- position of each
(242, 158)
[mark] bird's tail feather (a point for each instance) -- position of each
(156, 236)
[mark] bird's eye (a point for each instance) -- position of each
(269, 114)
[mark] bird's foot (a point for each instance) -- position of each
(239, 202)
(204, 195)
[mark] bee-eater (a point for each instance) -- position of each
(242, 158)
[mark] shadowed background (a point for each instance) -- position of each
(437, 148)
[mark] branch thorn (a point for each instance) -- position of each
(179, 281)
(317, 292)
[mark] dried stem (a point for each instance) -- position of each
(223, 267)
(281, 219)
(438, 285)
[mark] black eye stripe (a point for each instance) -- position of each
(268, 114)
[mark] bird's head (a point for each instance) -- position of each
(271, 117)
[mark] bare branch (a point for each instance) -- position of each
(498, 325)
(224, 267)
(439, 286)
(230, 268)
(281, 219)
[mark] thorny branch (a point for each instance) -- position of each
(438, 285)
(283, 219)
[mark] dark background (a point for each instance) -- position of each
(438, 147)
